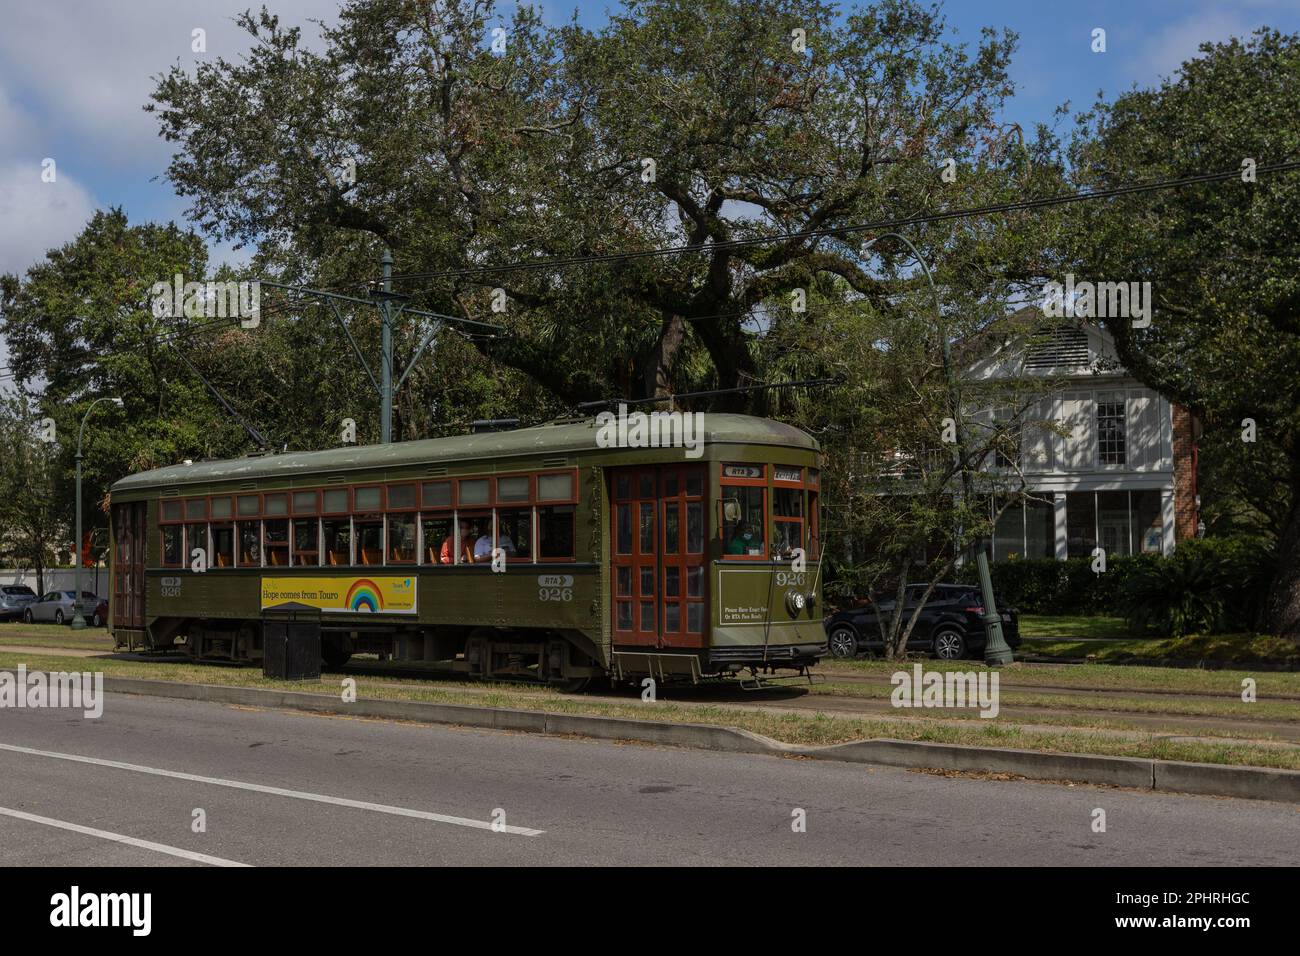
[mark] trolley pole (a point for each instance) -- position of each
(386, 359)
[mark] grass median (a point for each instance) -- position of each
(813, 728)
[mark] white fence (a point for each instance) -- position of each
(60, 579)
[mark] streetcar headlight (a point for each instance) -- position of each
(794, 602)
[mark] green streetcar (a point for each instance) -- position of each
(547, 554)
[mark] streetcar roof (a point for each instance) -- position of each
(720, 428)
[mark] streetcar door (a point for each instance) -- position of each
(658, 555)
(129, 540)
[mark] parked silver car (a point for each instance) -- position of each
(57, 607)
(14, 599)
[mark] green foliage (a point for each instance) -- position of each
(1220, 257)
(1048, 586)
(1207, 586)
(29, 512)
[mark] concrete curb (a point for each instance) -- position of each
(1254, 783)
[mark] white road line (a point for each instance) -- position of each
(280, 792)
(120, 838)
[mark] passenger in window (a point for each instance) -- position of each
(483, 549)
(741, 540)
(448, 549)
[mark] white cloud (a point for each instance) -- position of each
(1170, 47)
(36, 216)
(87, 66)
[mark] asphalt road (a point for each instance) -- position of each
(279, 788)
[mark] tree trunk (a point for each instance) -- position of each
(658, 373)
(1282, 610)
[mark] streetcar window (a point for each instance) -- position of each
(473, 491)
(742, 536)
(196, 537)
(334, 501)
(367, 499)
(221, 507)
(250, 544)
(555, 531)
(787, 518)
(514, 488)
(436, 494)
(475, 538)
(249, 505)
(814, 546)
(223, 544)
(171, 545)
(277, 542)
(555, 487)
(275, 505)
(304, 502)
(337, 533)
(624, 530)
(196, 508)
(401, 536)
(171, 511)
(370, 540)
(306, 547)
(401, 497)
(515, 533)
(694, 525)
(439, 539)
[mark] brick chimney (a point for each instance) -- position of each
(1184, 449)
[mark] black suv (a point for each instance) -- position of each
(949, 624)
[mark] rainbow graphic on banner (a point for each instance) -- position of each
(377, 594)
(364, 596)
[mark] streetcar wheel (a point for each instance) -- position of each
(843, 643)
(95, 620)
(333, 656)
(949, 645)
(27, 617)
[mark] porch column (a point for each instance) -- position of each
(1167, 522)
(1062, 528)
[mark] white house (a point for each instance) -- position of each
(1123, 476)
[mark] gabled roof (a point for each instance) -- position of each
(1027, 344)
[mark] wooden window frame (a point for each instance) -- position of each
(162, 503)
(573, 496)
(435, 514)
(388, 558)
(474, 514)
(316, 505)
(724, 482)
(434, 506)
(347, 502)
(537, 532)
(491, 487)
(247, 517)
(514, 503)
(413, 507)
(229, 517)
(318, 551)
(163, 528)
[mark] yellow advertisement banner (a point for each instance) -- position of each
(369, 595)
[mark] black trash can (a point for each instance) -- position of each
(291, 642)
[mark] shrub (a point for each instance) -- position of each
(1207, 586)
(1048, 586)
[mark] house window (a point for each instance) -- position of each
(1110, 432)
(1006, 438)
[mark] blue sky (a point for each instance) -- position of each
(74, 74)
